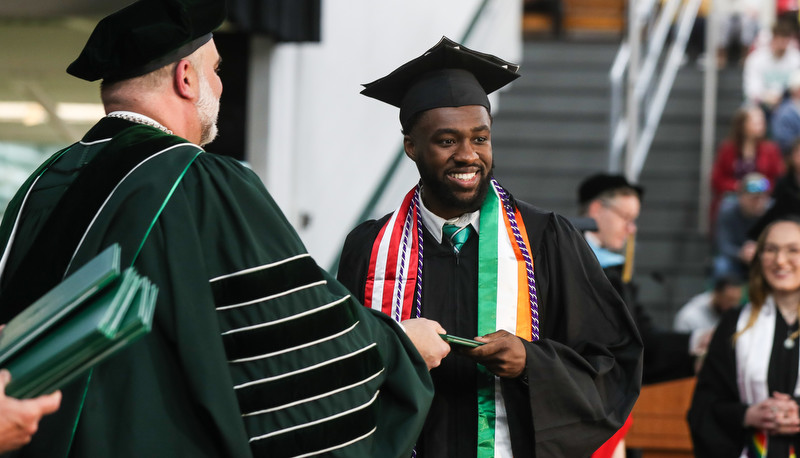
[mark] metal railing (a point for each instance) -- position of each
(709, 120)
(645, 97)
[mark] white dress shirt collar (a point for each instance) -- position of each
(434, 222)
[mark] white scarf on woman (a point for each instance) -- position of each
(753, 351)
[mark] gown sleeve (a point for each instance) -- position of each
(584, 374)
(407, 391)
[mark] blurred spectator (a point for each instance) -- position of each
(734, 250)
(785, 123)
(787, 10)
(738, 27)
(767, 68)
(789, 183)
(743, 403)
(703, 311)
(614, 204)
(696, 46)
(743, 152)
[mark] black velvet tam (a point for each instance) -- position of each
(145, 36)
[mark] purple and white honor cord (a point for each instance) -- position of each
(418, 311)
(534, 301)
(398, 305)
(509, 209)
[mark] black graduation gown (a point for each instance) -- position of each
(716, 416)
(583, 375)
(254, 351)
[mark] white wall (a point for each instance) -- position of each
(319, 145)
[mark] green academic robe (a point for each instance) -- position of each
(254, 351)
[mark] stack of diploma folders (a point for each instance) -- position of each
(83, 320)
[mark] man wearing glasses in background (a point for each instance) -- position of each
(614, 205)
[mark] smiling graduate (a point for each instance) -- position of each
(560, 367)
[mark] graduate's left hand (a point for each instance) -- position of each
(503, 354)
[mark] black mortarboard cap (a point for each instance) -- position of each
(447, 75)
(145, 36)
(599, 183)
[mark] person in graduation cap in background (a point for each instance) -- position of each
(614, 203)
(560, 365)
(255, 350)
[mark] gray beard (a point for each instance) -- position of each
(208, 112)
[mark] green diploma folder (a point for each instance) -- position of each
(83, 320)
(464, 342)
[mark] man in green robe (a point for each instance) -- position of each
(255, 350)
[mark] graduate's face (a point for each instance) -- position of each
(453, 151)
(780, 258)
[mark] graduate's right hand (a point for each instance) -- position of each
(425, 335)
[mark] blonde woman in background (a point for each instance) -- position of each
(745, 402)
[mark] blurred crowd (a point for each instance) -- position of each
(746, 398)
(757, 166)
(739, 337)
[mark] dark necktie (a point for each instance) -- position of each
(457, 235)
